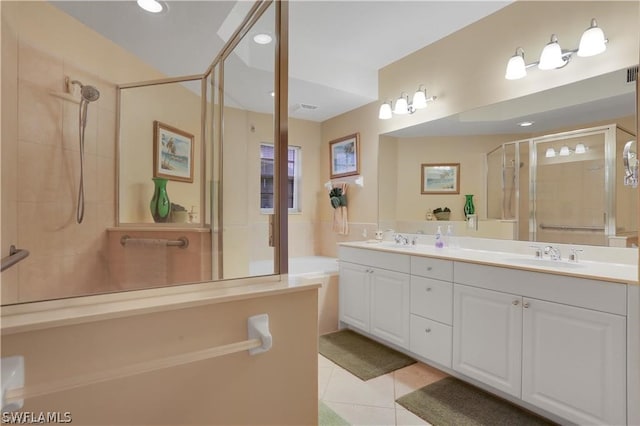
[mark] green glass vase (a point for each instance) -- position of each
(160, 205)
(469, 208)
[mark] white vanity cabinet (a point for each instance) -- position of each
(567, 358)
(374, 293)
(431, 309)
(487, 337)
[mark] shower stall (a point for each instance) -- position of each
(565, 188)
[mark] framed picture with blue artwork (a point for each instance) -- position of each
(440, 178)
(344, 156)
(172, 153)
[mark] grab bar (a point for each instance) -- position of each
(573, 228)
(14, 393)
(15, 256)
(182, 242)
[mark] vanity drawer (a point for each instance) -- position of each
(431, 340)
(432, 268)
(379, 259)
(432, 299)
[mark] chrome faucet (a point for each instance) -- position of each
(401, 239)
(553, 252)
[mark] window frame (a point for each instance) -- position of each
(297, 179)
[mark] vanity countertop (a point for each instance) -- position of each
(604, 271)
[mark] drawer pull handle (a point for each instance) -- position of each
(428, 289)
(525, 304)
(429, 268)
(516, 302)
(427, 330)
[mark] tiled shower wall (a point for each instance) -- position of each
(66, 258)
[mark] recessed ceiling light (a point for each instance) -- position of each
(152, 6)
(525, 123)
(262, 38)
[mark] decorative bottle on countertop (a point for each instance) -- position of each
(448, 237)
(469, 208)
(439, 242)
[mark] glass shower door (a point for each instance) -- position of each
(570, 197)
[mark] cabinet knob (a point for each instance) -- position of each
(515, 302)
(525, 304)
(429, 268)
(427, 330)
(428, 289)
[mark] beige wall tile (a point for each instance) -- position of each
(39, 115)
(106, 138)
(39, 68)
(42, 278)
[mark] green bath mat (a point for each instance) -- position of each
(450, 401)
(360, 355)
(328, 417)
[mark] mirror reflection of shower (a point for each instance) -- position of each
(88, 94)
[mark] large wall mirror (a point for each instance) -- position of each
(521, 189)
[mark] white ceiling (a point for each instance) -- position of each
(336, 49)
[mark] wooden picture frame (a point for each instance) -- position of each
(440, 178)
(172, 153)
(344, 156)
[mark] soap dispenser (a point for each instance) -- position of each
(439, 242)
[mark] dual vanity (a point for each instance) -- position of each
(557, 337)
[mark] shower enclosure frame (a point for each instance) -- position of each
(610, 175)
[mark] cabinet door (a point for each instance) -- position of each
(574, 362)
(390, 306)
(487, 337)
(354, 295)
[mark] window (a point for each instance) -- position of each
(266, 178)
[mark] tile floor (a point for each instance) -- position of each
(372, 402)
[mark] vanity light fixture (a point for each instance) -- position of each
(403, 106)
(550, 153)
(592, 42)
(564, 151)
(580, 148)
(152, 6)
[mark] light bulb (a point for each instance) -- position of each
(551, 56)
(592, 41)
(385, 111)
(419, 99)
(550, 153)
(402, 106)
(516, 68)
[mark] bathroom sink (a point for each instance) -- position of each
(547, 263)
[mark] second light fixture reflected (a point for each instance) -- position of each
(403, 106)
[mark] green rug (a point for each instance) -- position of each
(453, 402)
(360, 355)
(328, 417)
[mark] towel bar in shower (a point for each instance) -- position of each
(182, 242)
(14, 393)
(573, 228)
(15, 256)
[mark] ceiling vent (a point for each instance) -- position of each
(632, 74)
(306, 107)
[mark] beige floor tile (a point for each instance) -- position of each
(324, 375)
(415, 376)
(407, 418)
(364, 415)
(346, 388)
(325, 362)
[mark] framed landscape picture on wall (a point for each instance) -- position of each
(440, 178)
(172, 153)
(344, 156)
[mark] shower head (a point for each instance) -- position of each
(88, 93)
